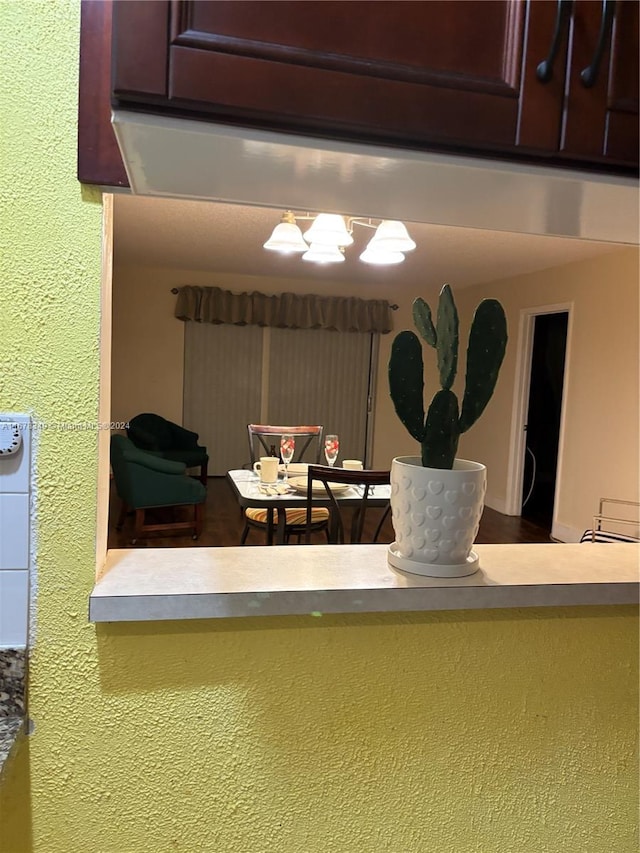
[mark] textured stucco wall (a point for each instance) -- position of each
(448, 733)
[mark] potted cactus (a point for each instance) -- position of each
(436, 498)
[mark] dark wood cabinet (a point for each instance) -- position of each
(460, 76)
(586, 111)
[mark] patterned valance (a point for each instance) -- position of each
(283, 310)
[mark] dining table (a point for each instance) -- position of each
(250, 492)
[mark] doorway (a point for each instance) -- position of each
(537, 425)
(544, 414)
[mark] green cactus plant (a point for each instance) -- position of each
(440, 431)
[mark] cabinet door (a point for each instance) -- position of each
(404, 73)
(596, 123)
(602, 89)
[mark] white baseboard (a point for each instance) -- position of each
(564, 533)
(496, 503)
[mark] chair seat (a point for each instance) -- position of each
(294, 517)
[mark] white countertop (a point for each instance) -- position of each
(202, 583)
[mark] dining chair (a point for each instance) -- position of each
(264, 437)
(366, 480)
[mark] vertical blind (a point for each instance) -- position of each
(319, 377)
(222, 380)
(235, 375)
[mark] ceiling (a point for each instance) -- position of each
(228, 238)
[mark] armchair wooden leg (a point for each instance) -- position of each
(138, 525)
(199, 514)
(122, 515)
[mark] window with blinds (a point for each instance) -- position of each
(235, 375)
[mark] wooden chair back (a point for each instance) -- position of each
(366, 480)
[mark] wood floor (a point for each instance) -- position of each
(224, 523)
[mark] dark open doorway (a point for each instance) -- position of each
(543, 417)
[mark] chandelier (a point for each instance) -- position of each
(330, 234)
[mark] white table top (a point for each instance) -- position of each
(246, 485)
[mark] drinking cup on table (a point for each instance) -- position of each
(267, 469)
(352, 465)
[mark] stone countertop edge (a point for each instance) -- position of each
(155, 584)
(10, 730)
(13, 664)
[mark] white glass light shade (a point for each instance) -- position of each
(391, 236)
(328, 229)
(381, 258)
(323, 254)
(287, 239)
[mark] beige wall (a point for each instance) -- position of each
(600, 449)
(147, 356)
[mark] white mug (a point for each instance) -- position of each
(267, 468)
(352, 465)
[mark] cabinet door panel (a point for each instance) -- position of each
(405, 40)
(342, 103)
(404, 72)
(600, 119)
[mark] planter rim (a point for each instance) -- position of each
(462, 465)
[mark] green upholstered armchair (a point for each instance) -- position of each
(145, 481)
(163, 438)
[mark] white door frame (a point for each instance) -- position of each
(522, 385)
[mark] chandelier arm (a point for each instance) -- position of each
(366, 222)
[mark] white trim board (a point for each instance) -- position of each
(182, 158)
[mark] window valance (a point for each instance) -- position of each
(283, 310)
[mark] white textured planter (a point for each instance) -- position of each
(436, 514)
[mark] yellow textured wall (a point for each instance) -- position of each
(497, 731)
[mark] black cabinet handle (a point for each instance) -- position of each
(589, 75)
(544, 71)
